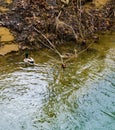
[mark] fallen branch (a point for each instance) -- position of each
(77, 54)
(52, 46)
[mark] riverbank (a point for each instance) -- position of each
(38, 24)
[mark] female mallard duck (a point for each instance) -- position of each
(28, 60)
(68, 55)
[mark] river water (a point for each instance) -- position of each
(46, 97)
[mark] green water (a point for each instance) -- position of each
(45, 97)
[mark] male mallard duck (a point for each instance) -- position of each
(28, 60)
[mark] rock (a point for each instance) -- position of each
(7, 48)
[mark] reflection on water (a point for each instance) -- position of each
(45, 97)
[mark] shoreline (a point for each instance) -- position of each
(33, 32)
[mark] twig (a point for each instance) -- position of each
(78, 53)
(52, 46)
(63, 23)
(85, 49)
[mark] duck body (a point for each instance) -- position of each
(68, 55)
(29, 61)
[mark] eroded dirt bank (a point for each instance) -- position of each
(34, 23)
(7, 42)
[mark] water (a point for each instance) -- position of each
(46, 97)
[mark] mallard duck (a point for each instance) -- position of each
(68, 55)
(28, 60)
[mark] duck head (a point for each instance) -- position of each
(26, 55)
